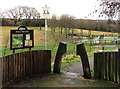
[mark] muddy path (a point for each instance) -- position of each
(77, 67)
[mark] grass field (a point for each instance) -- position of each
(39, 39)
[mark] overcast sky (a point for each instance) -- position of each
(77, 8)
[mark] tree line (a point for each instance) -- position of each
(70, 22)
(21, 15)
(29, 16)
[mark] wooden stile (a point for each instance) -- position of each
(60, 52)
(84, 59)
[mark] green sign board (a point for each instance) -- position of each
(21, 38)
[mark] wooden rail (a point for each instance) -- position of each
(107, 66)
(20, 65)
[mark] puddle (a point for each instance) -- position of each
(69, 78)
(68, 82)
(71, 75)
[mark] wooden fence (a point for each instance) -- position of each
(20, 65)
(107, 66)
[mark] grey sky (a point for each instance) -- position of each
(77, 8)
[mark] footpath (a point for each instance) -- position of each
(71, 76)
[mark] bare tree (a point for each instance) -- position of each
(15, 14)
(53, 23)
(66, 21)
(30, 13)
(109, 8)
(22, 12)
(1, 13)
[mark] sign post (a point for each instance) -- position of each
(46, 15)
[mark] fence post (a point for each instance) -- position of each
(118, 65)
(106, 64)
(115, 67)
(95, 65)
(102, 61)
(109, 67)
(1, 72)
(61, 50)
(84, 58)
(119, 49)
(99, 66)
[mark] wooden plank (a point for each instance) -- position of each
(20, 65)
(23, 64)
(95, 65)
(10, 67)
(29, 60)
(17, 65)
(119, 67)
(99, 66)
(14, 66)
(41, 61)
(4, 69)
(37, 62)
(7, 66)
(26, 64)
(84, 59)
(102, 59)
(112, 66)
(48, 59)
(31, 63)
(1, 72)
(105, 62)
(115, 67)
(61, 50)
(34, 61)
(109, 67)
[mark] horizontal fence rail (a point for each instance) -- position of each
(107, 66)
(20, 65)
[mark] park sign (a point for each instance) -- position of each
(45, 12)
(21, 38)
